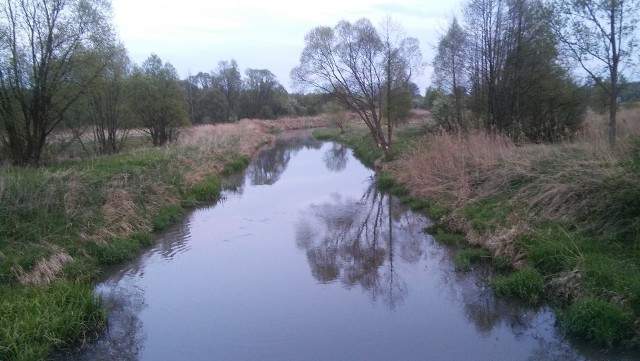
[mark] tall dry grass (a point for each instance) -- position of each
(552, 181)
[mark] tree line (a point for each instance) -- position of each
(507, 66)
(62, 68)
(511, 66)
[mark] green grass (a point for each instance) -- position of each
(598, 321)
(526, 284)
(120, 249)
(236, 164)
(489, 213)
(36, 320)
(62, 207)
(467, 257)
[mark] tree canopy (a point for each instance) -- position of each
(43, 44)
(366, 70)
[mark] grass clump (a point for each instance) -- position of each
(208, 189)
(37, 320)
(121, 249)
(385, 181)
(526, 284)
(166, 216)
(236, 164)
(467, 257)
(598, 321)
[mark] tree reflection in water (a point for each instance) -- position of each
(356, 241)
(124, 337)
(336, 157)
(270, 164)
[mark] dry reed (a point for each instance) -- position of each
(45, 271)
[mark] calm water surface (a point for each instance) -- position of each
(308, 261)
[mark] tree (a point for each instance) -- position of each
(361, 70)
(212, 106)
(160, 105)
(516, 85)
(42, 43)
(449, 65)
(106, 102)
(262, 96)
(229, 82)
(600, 36)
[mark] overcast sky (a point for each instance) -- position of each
(194, 35)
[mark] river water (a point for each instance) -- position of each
(306, 260)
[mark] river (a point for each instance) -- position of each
(307, 260)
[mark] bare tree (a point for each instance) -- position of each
(42, 43)
(600, 36)
(361, 70)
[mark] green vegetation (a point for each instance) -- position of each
(598, 321)
(236, 164)
(36, 320)
(558, 222)
(467, 257)
(526, 284)
(66, 221)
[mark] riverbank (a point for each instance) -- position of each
(558, 222)
(63, 223)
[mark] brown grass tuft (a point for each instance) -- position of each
(450, 166)
(45, 271)
(122, 217)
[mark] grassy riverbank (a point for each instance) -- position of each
(62, 223)
(559, 222)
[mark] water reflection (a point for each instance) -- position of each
(358, 241)
(269, 165)
(335, 158)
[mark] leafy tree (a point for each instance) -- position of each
(360, 69)
(212, 106)
(600, 36)
(106, 103)
(261, 91)
(229, 82)
(516, 84)
(160, 105)
(42, 43)
(430, 96)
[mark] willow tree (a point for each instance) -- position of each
(42, 44)
(368, 72)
